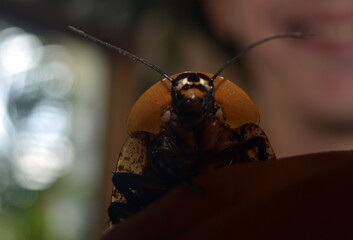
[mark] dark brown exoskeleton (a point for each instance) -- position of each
(194, 137)
(181, 127)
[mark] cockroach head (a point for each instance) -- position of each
(192, 93)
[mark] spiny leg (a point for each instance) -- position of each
(147, 190)
(242, 147)
(125, 182)
(118, 211)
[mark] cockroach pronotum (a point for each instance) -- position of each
(183, 126)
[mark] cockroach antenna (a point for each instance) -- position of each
(121, 51)
(243, 52)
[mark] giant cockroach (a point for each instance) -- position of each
(184, 125)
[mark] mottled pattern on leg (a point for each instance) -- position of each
(132, 159)
(250, 131)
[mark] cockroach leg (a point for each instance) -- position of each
(132, 186)
(242, 147)
(167, 168)
(174, 175)
(118, 211)
(138, 191)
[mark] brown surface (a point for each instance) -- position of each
(303, 197)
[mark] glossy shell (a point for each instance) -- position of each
(237, 106)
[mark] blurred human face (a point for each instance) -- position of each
(313, 76)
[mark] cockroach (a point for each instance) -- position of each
(184, 125)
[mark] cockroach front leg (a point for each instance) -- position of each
(137, 190)
(242, 148)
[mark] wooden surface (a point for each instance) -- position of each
(302, 197)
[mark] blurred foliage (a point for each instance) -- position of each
(47, 170)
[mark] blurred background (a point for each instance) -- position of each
(64, 101)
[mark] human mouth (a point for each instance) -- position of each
(333, 32)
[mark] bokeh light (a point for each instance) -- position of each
(20, 51)
(37, 83)
(34, 108)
